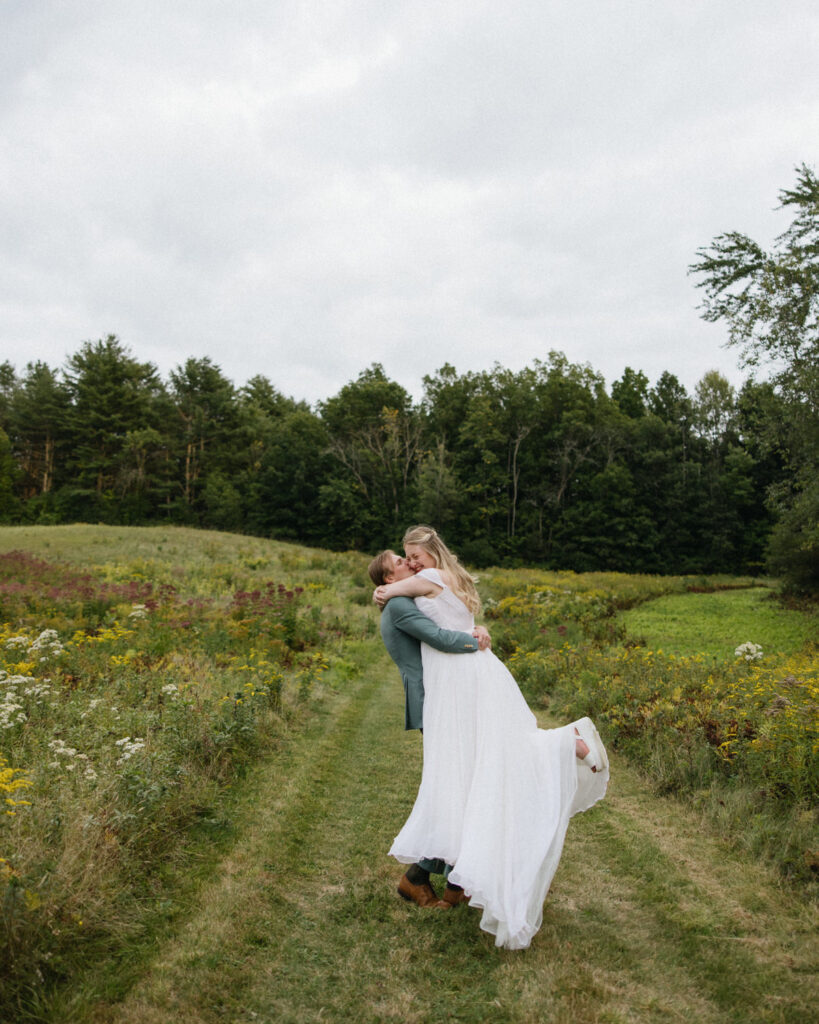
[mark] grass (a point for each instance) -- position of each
(715, 623)
(140, 682)
(273, 900)
(648, 920)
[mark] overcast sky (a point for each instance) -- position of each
(300, 189)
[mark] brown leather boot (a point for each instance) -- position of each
(424, 895)
(452, 897)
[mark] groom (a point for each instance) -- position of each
(403, 628)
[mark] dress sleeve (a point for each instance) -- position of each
(434, 576)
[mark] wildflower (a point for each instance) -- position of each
(749, 651)
(38, 690)
(129, 747)
(10, 784)
(91, 705)
(61, 749)
(11, 712)
(73, 759)
(47, 644)
(139, 612)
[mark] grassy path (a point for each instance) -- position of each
(649, 919)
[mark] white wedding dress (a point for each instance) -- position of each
(496, 791)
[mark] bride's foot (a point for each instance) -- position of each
(581, 749)
(588, 747)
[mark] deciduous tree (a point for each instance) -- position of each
(769, 302)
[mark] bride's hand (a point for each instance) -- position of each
(379, 596)
(481, 634)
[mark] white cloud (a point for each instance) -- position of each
(301, 189)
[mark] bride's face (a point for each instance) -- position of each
(418, 558)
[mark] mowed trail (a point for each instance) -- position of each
(649, 919)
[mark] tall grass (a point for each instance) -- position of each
(134, 689)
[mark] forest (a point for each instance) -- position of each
(540, 466)
(543, 465)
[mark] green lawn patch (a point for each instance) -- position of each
(717, 623)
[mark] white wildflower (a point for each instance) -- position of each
(73, 759)
(60, 748)
(37, 690)
(749, 651)
(129, 747)
(91, 705)
(11, 712)
(19, 680)
(48, 643)
(139, 612)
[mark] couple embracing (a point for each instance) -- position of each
(496, 791)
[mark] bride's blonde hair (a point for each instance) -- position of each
(462, 583)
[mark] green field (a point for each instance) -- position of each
(717, 623)
(205, 764)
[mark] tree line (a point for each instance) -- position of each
(544, 465)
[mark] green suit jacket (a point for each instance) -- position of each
(403, 629)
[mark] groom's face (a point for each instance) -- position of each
(400, 569)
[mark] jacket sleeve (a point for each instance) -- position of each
(407, 618)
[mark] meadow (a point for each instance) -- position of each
(148, 675)
(709, 685)
(142, 673)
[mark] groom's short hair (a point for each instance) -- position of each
(381, 567)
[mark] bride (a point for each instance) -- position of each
(496, 791)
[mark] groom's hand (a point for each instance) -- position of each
(481, 634)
